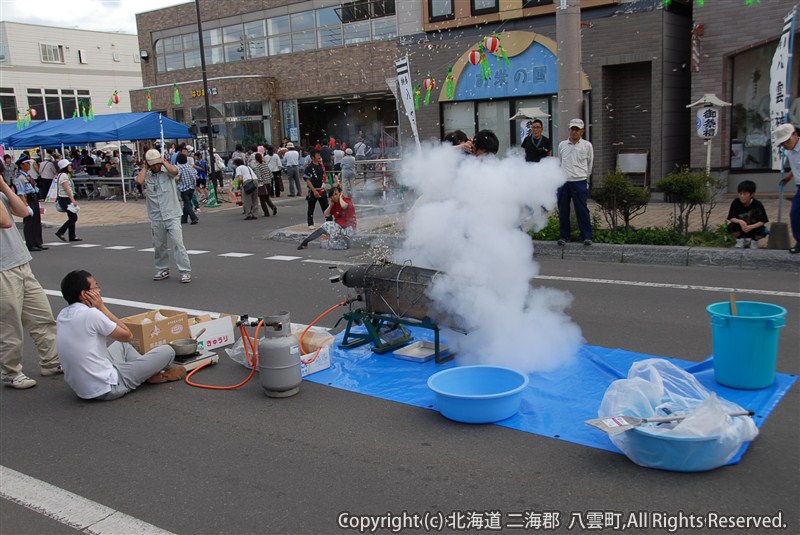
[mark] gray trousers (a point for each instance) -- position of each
(171, 228)
(293, 175)
(133, 368)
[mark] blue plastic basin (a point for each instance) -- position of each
(678, 454)
(478, 394)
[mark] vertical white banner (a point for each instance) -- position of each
(778, 80)
(407, 94)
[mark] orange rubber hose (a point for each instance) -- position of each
(302, 349)
(252, 360)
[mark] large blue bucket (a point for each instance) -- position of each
(745, 346)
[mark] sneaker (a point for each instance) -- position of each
(173, 373)
(20, 382)
(587, 243)
(196, 221)
(739, 244)
(302, 246)
(562, 242)
(52, 370)
(186, 277)
(311, 227)
(794, 250)
(275, 211)
(748, 243)
(161, 275)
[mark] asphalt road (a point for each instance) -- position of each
(201, 462)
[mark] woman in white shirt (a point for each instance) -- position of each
(66, 201)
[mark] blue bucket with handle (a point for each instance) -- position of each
(745, 345)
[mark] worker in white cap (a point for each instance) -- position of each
(160, 178)
(786, 136)
(577, 159)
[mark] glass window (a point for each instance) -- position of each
(51, 53)
(383, 8)
(440, 10)
(494, 116)
(212, 37)
(280, 45)
(159, 47)
(306, 40)
(191, 58)
(232, 34)
(384, 28)
(68, 103)
(214, 55)
(459, 116)
(522, 127)
(234, 52)
(36, 102)
(161, 63)
(481, 7)
(173, 62)
(8, 108)
(256, 48)
(327, 17)
(330, 36)
(278, 25)
(83, 92)
(255, 29)
(172, 44)
(356, 32)
(303, 21)
(53, 104)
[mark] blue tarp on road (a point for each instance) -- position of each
(113, 127)
(555, 404)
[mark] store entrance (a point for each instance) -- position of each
(348, 121)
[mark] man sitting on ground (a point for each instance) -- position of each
(91, 369)
(343, 226)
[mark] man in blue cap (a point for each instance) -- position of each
(26, 188)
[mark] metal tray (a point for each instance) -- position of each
(420, 351)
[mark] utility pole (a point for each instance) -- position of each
(570, 89)
(209, 131)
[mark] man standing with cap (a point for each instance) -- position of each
(786, 136)
(160, 179)
(26, 188)
(23, 304)
(291, 160)
(577, 158)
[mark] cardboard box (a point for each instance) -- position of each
(219, 332)
(316, 337)
(148, 332)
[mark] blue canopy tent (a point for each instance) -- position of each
(113, 127)
(6, 130)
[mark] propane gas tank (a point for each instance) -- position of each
(279, 357)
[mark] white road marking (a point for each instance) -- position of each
(719, 289)
(88, 245)
(329, 262)
(148, 250)
(236, 255)
(146, 306)
(52, 243)
(69, 508)
(282, 257)
(119, 247)
(195, 251)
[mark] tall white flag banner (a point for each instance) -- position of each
(407, 94)
(779, 83)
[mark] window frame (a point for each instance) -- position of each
(52, 50)
(536, 3)
(484, 10)
(438, 18)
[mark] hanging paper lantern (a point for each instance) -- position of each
(115, 96)
(492, 44)
(32, 112)
(474, 57)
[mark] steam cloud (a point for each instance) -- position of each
(466, 223)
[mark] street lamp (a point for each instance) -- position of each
(708, 121)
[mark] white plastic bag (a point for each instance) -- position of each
(706, 439)
(236, 353)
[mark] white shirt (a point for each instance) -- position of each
(292, 157)
(576, 159)
(793, 155)
(274, 163)
(245, 173)
(338, 154)
(81, 334)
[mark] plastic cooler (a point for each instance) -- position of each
(745, 346)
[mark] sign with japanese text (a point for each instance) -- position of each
(707, 122)
(778, 83)
(407, 94)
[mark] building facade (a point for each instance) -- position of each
(276, 69)
(733, 60)
(59, 73)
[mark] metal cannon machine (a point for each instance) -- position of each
(393, 296)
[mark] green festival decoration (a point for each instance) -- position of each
(417, 94)
(428, 84)
(450, 85)
(149, 98)
(176, 95)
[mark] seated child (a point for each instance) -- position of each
(747, 218)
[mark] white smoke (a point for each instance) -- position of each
(466, 223)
